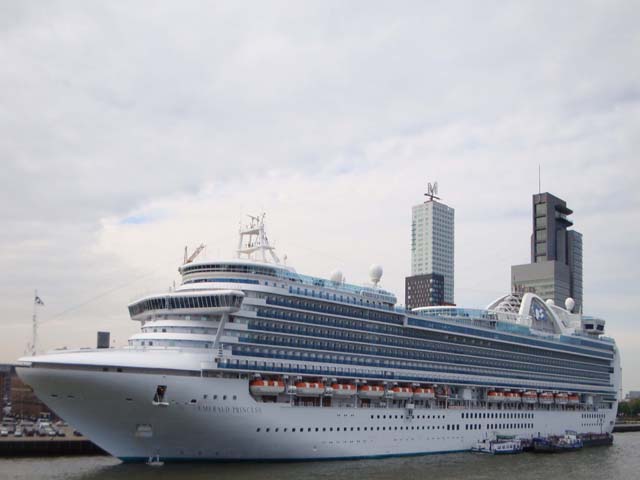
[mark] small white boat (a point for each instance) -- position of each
(502, 445)
(155, 461)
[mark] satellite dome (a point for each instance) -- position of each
(550, 302)
(336, 276)
(375, 273)
(569, 304)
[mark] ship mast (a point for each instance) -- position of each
(34, 333)
(253, 243)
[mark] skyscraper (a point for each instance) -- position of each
(555, 271)
(432, 254)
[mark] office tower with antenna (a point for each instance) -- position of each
(555, 271)
(432, 253)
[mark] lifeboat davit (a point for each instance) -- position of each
(424, 393)
(546, 398)
(343, 390)
(442, 392)
(371, 391)
(530, 397)
(309, 389)
(562, 398)
(512, 397)
(266, 387)
(574, 399)
(401, 393)
(495, 397)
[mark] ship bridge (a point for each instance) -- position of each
(193, 302)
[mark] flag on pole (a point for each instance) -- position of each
(38, 301)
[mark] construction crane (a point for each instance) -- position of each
(191, 258)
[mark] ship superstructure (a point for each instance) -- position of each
(250, 360)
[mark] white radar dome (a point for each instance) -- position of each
(569, 304)
(375, 273)
(336, 276)
(550, 302)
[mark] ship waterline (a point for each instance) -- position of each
(249, 360)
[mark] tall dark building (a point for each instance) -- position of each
(555, 270)
(424, 290)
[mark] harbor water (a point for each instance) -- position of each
(618, 462)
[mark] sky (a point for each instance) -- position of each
(131, 129)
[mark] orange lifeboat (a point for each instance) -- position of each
(371, 391)
(343, 389)
(424, 393)
(309, 389)
(530, 397)
(495, 397)
(401, 393)
(574, 399)
(562, 398)
(266, 387)
(546, 398)
(512, 397)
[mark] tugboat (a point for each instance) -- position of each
(502, 445)
(557, 444)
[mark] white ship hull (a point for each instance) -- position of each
(427, 382)
(115, 410)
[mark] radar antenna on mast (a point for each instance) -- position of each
(253, 243)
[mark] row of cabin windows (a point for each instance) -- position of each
(358, 429)
(171, 343)
(384, 417)
(498, 426)
(392, 364)
(497, 415)
(335, 309)
(593, 415)
(346, 299)
(223, 280)
(221, 267)
(384, 363)
(441, 341)
(366, 314)
(351, 336)
(175, 329)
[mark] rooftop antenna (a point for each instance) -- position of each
(432, 192)
(539, 181)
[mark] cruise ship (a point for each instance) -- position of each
(249, 360)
